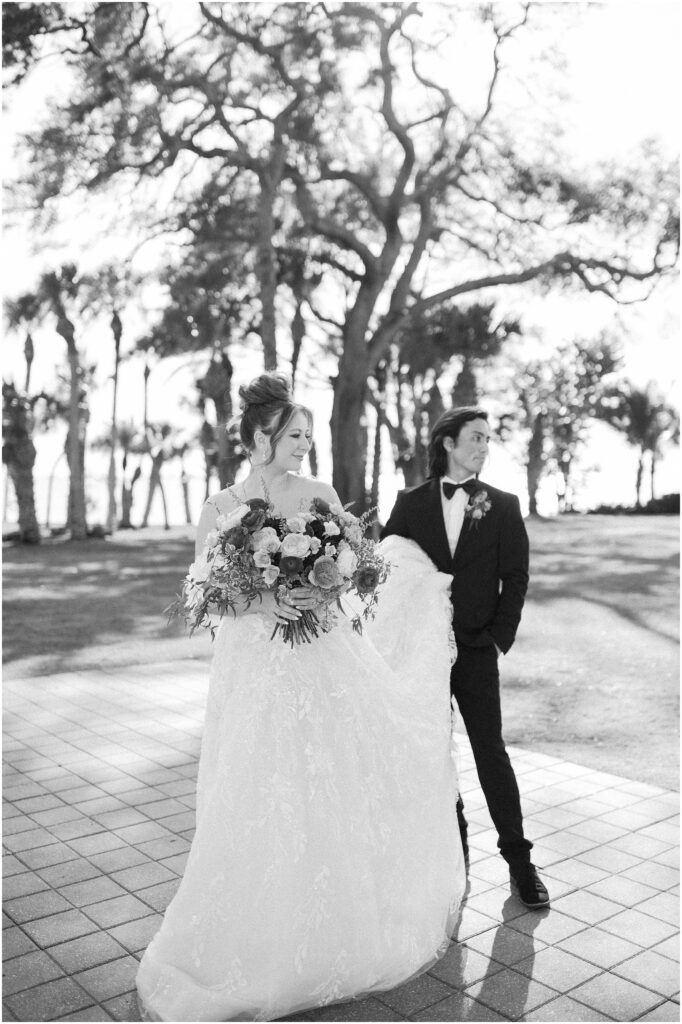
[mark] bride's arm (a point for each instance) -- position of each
(207, 522)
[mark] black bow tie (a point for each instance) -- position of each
(449, 489)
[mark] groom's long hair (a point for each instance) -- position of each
(449, 425)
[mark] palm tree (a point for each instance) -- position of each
(108, 291)
(56, 291)
(24, 313)
(131, 442)
(647, 421)
(160, 446)
(19, 454)
(18, 449)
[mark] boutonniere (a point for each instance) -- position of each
(479, 504)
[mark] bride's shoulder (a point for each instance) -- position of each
(311, 488)
(223, 501)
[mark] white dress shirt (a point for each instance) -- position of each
(453, 510)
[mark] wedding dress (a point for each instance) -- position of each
(326, 862)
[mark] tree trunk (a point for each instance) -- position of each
(154, 482)
(184, 483)
(74, 499)
(652, 474)
(535, 464)
(20, 469)
(75, 443)
(116, 328)
(267, 269)
(215, 385)
(127, 497)
(297, 336)
(312, 459)
(566, 504)
(348, 427)
(640, 474)
(29, 352)
(349, 437)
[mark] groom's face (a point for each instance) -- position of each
(467, 454)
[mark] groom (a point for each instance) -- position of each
(475, 532)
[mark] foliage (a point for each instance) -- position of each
(407, 387)
(556, 398)
(336, 131)
(646, 419)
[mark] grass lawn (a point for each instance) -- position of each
(592, 678)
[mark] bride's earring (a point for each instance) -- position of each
(261, 452)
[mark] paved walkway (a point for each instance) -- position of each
(99, 795)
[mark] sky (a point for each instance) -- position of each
(623, 62)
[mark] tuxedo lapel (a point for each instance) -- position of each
(432, 527)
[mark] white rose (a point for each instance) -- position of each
(226, 520)
(354, 535)
(315, 544)
(296, 524)
(265, 540)
(262, 559)
(331, 529)
(211, 539)
(199, 571)
(346, 561)
(296, 544)
(270, 574)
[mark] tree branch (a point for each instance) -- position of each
(326, 226)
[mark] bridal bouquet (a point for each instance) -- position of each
(252, 551)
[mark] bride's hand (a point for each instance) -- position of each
(285, 608)
(304, 598)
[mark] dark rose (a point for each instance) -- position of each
(321, 506)
(259, 504)
(366, 579)
(290, 565)
(237, 536)
(254, 519)
(316, 529)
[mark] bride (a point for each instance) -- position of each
(326, 862)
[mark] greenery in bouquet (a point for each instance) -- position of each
(252, 551)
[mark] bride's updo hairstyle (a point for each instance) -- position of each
(268, 405)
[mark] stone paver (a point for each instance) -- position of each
(98, 818)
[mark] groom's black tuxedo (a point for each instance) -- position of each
(490, 577)
(489, 566)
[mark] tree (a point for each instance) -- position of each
(131, 441)
(57, 291)
(24, 313)
(554, 400)
(581, 373)
(429, 345)
(646, 420)
(108, 291)
(403, 196)
(19, 454)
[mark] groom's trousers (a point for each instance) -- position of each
(475, 684)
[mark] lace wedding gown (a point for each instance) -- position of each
(326, 862)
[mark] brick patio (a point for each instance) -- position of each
(100, 770)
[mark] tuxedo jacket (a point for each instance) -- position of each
(489, 566)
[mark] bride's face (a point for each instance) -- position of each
(294, 444)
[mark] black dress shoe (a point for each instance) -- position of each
(526, 884)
